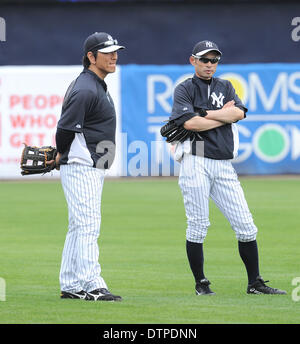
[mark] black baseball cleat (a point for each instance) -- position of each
(102, 294)
(78, 295)
(259, 287)
(202, 287)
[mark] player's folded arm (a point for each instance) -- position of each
(230, 114)
(198, 123)
(237, 101)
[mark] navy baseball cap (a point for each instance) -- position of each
(102, 42)
(203, 47)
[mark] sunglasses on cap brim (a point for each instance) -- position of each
(104, 45)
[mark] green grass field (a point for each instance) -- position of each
(142, 254)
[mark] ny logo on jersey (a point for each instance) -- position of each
(217, 100)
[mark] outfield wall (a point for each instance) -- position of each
(31, 98)
(154, 32)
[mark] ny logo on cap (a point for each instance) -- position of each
(209, 44)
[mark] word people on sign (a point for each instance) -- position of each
(30, 101)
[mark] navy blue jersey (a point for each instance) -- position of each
(194, 94)
(88, 111)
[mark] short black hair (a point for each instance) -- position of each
(85, 60)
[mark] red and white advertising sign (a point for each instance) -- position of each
(30, 106)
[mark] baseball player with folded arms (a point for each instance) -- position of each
(85, 141)
(210, 107)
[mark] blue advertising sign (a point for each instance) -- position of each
(269, 136)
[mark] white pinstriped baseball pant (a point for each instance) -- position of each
(80, 268)
(202, 178)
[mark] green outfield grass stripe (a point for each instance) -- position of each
(142, 254)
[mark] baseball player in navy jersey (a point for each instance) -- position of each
(85, 141)
(210, 107)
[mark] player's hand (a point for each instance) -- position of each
(229, 104)
(50, 162)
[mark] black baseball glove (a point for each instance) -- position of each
(173, 133)
(34, 160)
